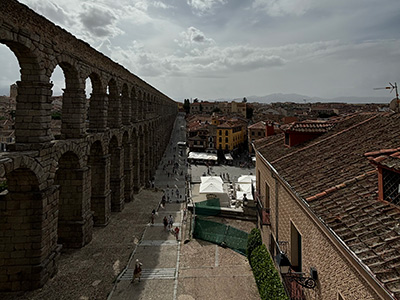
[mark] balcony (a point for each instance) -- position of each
(294, 290)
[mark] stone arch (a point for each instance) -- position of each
(73, 114)
(135, 160)
(116, 174)
(100, 201)
(25, 237)
(141, 155)
(34, 89)
(114, 105)
(139, 105)
(97, 115)
(134, 105)
(75, 218)
(126, 105)
(128, 167)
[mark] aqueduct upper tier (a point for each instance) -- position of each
(60, 186)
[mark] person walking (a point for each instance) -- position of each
(176, 232)
(137, 272)
(170, 222)
(153, 215)
(165, 222)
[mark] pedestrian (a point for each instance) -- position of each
(176, 232)
(163, 202)
(153, 215)
(137, 272)
(165, 222)
(170, 222)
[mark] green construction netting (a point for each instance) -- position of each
(210, 207)
(221, 234)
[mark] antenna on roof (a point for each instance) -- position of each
(391, 88)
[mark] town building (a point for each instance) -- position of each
(329, 206)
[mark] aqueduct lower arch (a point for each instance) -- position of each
(58, 189)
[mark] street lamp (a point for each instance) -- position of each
(285, 269)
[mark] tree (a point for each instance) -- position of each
(186, 105)
(244, 100)
(249, 112)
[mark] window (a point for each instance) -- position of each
(226, 132)
(295, 246)
(391, 186)
(220, 132)
(259, 133)
(286, 139)
(252, 133)
(226, 147)
(266, 202)
(226, 140)
(220, 139)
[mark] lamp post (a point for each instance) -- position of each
(285, 269)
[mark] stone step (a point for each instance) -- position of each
(158, 243)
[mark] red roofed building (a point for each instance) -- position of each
(330, 204)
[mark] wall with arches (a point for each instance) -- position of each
(59, 187)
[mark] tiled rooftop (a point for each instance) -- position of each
(311, 126)
(333, 174)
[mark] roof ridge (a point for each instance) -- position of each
(327, 138)
(340, 186)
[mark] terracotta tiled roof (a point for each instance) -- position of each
(258, 125)
(311, 126)
(334, 175)
(389, 158)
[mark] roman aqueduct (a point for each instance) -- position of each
(59, 187)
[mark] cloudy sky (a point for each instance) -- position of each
(211, 49)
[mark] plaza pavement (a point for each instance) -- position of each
(171, 270)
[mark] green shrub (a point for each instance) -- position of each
(267, 278)
(254, 240)
(3, 185)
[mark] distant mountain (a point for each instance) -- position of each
(302, 98)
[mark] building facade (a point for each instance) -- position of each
(319, 206)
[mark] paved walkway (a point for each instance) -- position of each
(172, 270)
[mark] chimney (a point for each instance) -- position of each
(269, 129)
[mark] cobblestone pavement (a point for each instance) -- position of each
(171, 269)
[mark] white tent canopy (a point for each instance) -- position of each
(211, 187)
(205, 179)
(228, 156)
(202, 155)
(247, 178)
(239, 195)
(244, 187)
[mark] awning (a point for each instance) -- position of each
(247, 178)
(211, 187)
(239, 195)
(228, 156)
(202, 155)
(206, 179)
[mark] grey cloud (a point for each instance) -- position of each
(99, 21)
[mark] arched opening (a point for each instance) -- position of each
(114, 106)
(68, 103)
(135, 161)
(126, 105)
(134, 105)
(100, 202)
(116, 175)
(142, 158)
(23, 245)
(74, 217)
(31, 97)
(97, 117)
(139, 105)
(8, 87)
(128, 183)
